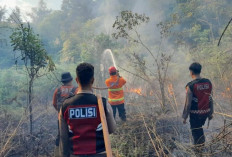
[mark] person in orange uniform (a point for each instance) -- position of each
(115, 92)
(62, 93)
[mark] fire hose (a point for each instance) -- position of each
(101, 88)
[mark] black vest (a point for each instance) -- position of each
(201, 89)
(82, 115)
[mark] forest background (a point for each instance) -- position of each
(153, 56)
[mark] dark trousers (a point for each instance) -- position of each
(121, 111)
(196, 123)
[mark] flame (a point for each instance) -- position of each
(170, 89)
(226, 93)
(135, 90)
(223, 94)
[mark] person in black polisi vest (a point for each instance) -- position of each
(81, 133)
(198, 105)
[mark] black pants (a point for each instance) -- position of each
(121, 111)
(196, 123)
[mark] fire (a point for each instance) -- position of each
(170, 89)
(135, 90)
(226, 93)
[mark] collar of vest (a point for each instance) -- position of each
(85, 92)
(67, 86)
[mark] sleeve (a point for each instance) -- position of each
(64, 145)
(123, 81)
(211, 106)
(107, 83)
(54, 102)
(76, 90)
(110, 119)
(188, 103)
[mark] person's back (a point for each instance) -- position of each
(64, 91)
(81, 113)
(59, 96)
(198, 105)
(115, 93)
(79, 119)
(201, 89)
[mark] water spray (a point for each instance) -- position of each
(112, 56)
(107, 51)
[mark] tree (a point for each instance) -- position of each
(15, 16)
(2, 13)
(66, 5)
(50, 29)
(39, 13)
(198, 21)
(79, 10)
(126, 26)
(34, 57)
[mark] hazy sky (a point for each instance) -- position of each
(26, 5)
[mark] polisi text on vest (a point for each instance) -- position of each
(82, 113)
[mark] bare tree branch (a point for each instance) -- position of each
(224, 31)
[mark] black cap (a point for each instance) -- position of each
(66, 77)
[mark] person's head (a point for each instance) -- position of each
(112, 71)
(85, 75)
(66, 78)
(195, 69)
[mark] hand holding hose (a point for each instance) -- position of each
(117, 73)
(103, 88)
(111, 69)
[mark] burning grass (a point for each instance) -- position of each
(149, 135)
(149, 131)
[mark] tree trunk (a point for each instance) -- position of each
(162, 94)
(161, 84)
(30, 92)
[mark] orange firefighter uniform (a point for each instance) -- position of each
(115, 92)
(62, 93)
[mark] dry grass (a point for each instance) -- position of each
(166, 136)
(15, 137)
(149, 131)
